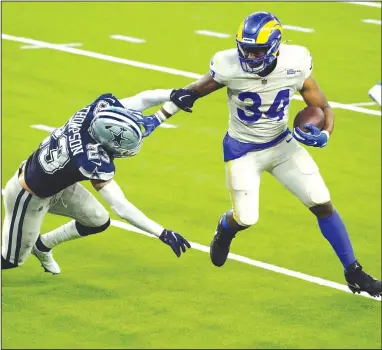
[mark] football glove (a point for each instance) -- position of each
(175, 241)
(184, 98)
(315, 137)
(149, 123)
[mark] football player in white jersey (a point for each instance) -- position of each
(261, 75)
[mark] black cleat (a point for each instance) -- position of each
(359, 281)
(219, 247)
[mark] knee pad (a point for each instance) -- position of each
(5, 264)
(246, 218)
(90, 230)
(317, 196)
(99, 216)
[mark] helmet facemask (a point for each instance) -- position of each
(251, 62)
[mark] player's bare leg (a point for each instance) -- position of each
(334, 230)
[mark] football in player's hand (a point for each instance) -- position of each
(309, 115)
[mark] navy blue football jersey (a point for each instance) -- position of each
(69, 154)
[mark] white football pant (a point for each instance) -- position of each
(24, 214)
(289, 162)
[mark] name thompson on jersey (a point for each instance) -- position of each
(70, 154)
(48, 181)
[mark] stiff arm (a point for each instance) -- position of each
(146, 99)
(204, 86)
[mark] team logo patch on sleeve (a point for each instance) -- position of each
(293, 72)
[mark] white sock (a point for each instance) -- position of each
(61, 234)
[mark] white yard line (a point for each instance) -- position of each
(248, 261)
(214, 34)
(154, 67)
(372, 21)
(127, 38)
(365, 3)
(364, 104)
(240, 258)
(51, 128)
(225, 35)
(157, 68)
(42, 47)
(298, 29)
(42, 127)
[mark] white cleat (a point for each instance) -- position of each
(47, 261)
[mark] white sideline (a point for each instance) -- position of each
(364, 104)
(364, 3)
(240, 258)
(26, 47)
(154, 67)
(245, 260)
(372, 21)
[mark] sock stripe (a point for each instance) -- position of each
(14, 214)
(20, 228)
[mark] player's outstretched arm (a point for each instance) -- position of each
(146, 99)
(313, 96)
(182, 99)
(113, 194)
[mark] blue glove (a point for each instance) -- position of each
(315, 137)
(149, 123)
(175, 241)
(184, 98)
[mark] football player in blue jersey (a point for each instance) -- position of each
(261, 75)
(48, 181)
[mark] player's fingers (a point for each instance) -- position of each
(176, 249)
(186, 242)
(312, 128)
(298, 134)
(183, 247)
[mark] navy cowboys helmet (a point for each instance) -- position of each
(258, 40)
(117, 130)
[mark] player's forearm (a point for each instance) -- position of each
(204, 86)
(147, 99)
(113, 194)
(169, 108)
(329, 119)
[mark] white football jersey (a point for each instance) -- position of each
(258, 107)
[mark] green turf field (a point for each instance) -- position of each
(123, 290)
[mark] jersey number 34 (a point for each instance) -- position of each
(276, 110)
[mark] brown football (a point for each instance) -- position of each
(309, 115)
